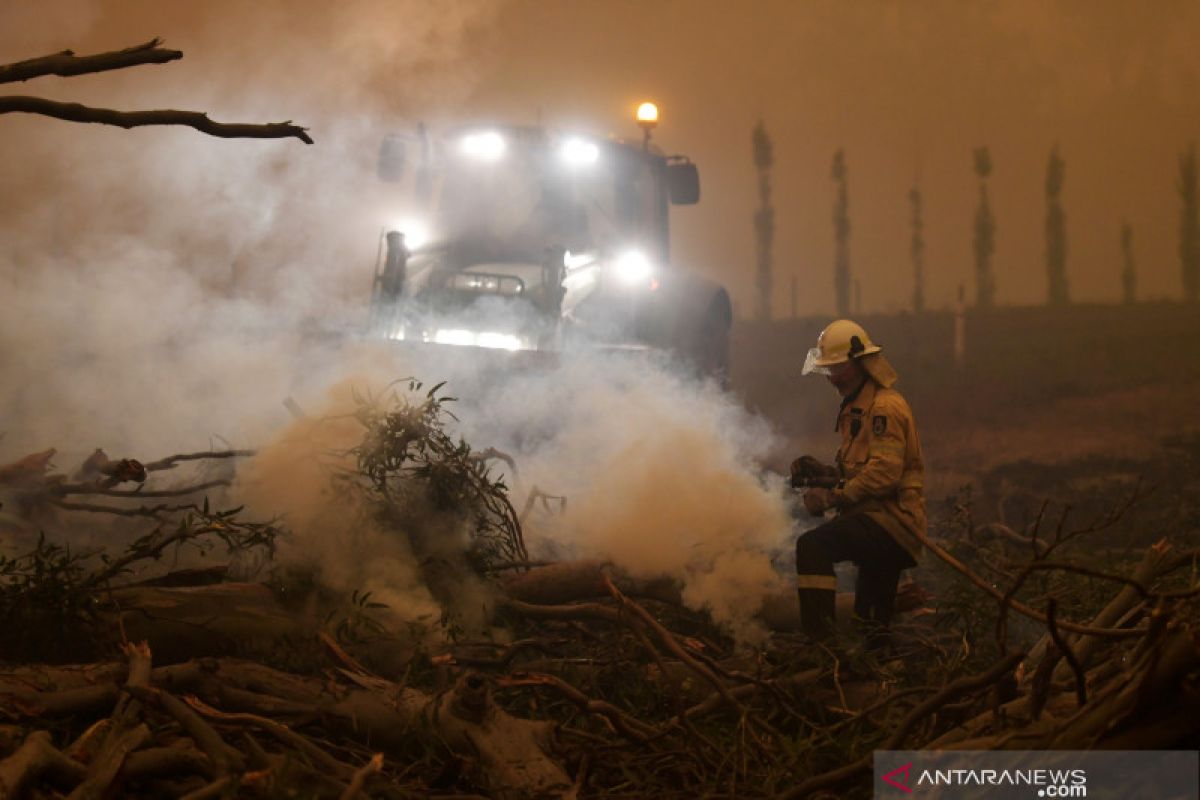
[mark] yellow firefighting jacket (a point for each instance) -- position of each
(881, 465)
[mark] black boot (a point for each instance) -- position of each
(817, 607)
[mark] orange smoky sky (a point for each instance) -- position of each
(908, 89)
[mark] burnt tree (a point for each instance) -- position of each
(916, 250)
(1057, 288)
(764, 221)
(1189, 225)
(1129, 271)
(985, 235)
(841, 236)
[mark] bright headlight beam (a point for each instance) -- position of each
(632, 267)
(576, 152)
(485, 145)
(500, 341)
(466, 338)
(454, 336)
(416, 232)
(577, 260)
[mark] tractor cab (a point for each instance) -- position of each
(523, 238)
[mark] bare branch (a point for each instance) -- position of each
(185, 490)
(360, 777)
(75, 112)
(671, 644)
(951, 691)
(171, 461)
(628, 726)
(280, 731)
(66, 63)
(152, 512)
(1007, 602)
(1068, 653)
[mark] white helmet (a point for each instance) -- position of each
(841, 341)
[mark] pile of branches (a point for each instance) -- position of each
(410, 468)
(592, 684)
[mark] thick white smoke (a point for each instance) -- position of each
(165, 291)
(661, 473)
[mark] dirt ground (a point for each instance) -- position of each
(1135, 423)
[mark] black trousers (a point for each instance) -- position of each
(849, 537)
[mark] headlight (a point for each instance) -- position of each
(416, 232)
(455, 336)
(577, 260)
(485, 145)
(463, 337)
(576, 152)
(632, 267)
(501, 341)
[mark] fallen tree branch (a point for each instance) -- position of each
(360, 777)
(950, 692)
(1156, 678)
(1153, 565)
(628, 726)
(281, 732)
(76, 112)
(668, 639)
(35, 758)
(224, 757)
(172, 461)
(150, 512)
(1068, 654)
(186, 490)
(1017, 605)
(217, 788)
(157, 762)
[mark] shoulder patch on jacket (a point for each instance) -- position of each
(878, 424)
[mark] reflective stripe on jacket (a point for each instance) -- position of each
(880, 461)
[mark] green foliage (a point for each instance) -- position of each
(50, 595)
(43, 595)
(359, 622)
(413, 471)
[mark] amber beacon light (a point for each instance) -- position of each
(647, 120)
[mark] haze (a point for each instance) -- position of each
(908, 89)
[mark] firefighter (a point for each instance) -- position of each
(878, 489)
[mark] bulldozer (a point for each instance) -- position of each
(527, 239)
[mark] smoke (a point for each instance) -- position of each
(154, 279)
(661, 475)
(165, 290)
(332, 533)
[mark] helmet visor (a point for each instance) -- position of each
(810, 364)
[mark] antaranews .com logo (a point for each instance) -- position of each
(1036, 774)
(1044, 782)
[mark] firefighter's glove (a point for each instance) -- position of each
(807, 468)
(816, 501)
